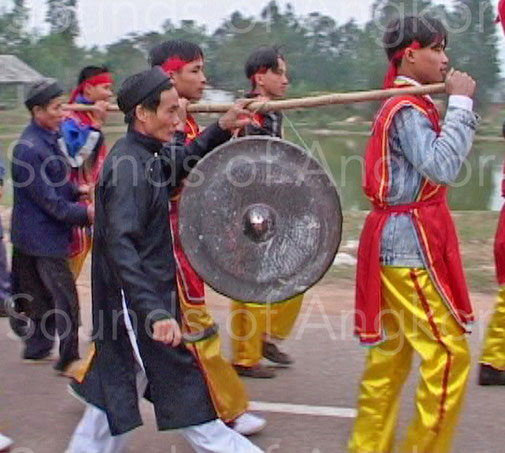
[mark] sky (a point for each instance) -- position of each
(105, 21)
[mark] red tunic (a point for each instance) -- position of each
(431, 217)
(499, 244)
(81, 176)
(187, 277)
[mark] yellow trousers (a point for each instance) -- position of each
(77, 262)
(414, 319)
(250, 323)
(494, 345)
(225, 387)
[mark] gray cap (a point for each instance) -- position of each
(41, 92)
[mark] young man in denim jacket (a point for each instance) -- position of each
(411, 293)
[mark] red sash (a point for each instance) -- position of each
(80, 236)
(432, 219)
(192, 129)
(259, 119)
(187, 279)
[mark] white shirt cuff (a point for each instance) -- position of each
(461, 102)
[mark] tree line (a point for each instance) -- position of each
(323, 55)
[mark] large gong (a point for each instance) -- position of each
(260, 220)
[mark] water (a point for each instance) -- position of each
(212, 95)
(478, 187)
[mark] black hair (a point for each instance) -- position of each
(91, 71)
(151, 102)
(184, 50)
(401, 32)
(262, 59)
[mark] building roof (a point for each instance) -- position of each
(13, 70)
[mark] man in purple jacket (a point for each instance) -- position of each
(45, 209)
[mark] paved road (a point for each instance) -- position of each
(37, 411)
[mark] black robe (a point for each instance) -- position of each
(132, 252)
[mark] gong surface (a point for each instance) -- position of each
(260, 220)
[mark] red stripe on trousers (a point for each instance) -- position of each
(445, 382)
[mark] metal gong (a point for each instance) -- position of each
(260, 220)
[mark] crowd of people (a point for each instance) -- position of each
(153, 333)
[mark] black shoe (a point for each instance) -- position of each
(272, 353)
(37, 358)
(3, 311)
(491, 376)
(258, 371)
(6, 307)
(21, 327)
(19, 321)
(61, 366)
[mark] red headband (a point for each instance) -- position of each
(100, 79)
(174, 64)
(390, 77)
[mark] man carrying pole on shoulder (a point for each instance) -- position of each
(492, 361)
(257, 327)
(84, 145)
(411, 293)
(184, 62)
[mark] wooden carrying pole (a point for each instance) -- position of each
(301, 103)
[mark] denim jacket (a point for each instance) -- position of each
(417, 152)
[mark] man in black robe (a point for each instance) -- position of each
(135, 311)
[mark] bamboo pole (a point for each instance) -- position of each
(301, 103)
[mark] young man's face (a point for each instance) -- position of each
(161, 124)
(51, 116)
(274, 84)
(431, 63)
(95, 93)
(190, 81)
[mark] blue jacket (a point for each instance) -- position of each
(45, 202)
(81, 139)
(417, 151)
